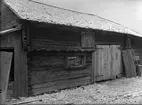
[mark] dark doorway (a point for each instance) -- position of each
(11, 75)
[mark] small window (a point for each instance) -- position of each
(77, 61)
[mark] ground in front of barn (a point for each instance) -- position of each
(119, 91)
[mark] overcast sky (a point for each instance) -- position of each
(125, 12)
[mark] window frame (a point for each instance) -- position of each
(83, 61)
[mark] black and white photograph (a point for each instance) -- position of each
(70, 52)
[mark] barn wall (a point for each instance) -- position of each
(54, 39)
(47, 66)
(48, 72)
(109, 38)
(137, 47)
(13, 40)
(7, 18)
(48, 48)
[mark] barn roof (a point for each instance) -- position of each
(39, 10)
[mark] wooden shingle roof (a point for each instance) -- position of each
(37, 10)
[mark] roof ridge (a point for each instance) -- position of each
(83, 13)
(77, 12)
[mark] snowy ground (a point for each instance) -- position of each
(120, 91)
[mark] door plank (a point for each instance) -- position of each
(116, 61)
(109, 62)
(5, 64)
(128, 59)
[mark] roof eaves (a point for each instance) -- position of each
(12, 10)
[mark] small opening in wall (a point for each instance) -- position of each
(11, 76)
(75, 61)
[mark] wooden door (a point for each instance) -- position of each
(5, 64)
(107, 63)
(116, 61)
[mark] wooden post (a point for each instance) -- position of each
(20, 69)
(93, 68)
(128, 42)
(5, 65)
(93, 59)
(25, 37)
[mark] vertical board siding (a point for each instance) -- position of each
(47, 72)
(108, 58)
(87, 40)
(116, 61)
(93, 70)
(129, 64)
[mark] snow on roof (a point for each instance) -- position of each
(38, 10)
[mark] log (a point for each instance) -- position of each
(48, 76)
(57, 85)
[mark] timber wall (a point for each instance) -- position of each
(137, 47)
(54, 39)
(47, 72)
(48, 49)
(13, 40)
(109, 38)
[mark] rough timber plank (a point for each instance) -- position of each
(21, 71)
(128, 59)
(93, 70)
(48, 76)
(53, 86)
(108, 62)
(99, 65)
(87, 40)
(5, 64)
(116, 61)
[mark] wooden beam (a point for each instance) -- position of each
(93, 60)
(127, 42)
(10, 30)
(93, 67)
(20, 69)
(25, 37)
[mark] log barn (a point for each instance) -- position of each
(55, 48)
